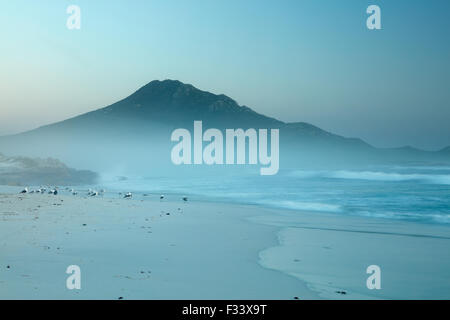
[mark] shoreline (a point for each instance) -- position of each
(209, 250)
(331, 254)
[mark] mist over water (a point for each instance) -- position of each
(405, 193)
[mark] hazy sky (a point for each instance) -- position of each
(299, 60)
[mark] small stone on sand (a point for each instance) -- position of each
(341, 292)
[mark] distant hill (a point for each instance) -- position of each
(445, 151)
(134, 134)
(20, 171)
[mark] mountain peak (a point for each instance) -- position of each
(166, 84)
(174, 91)
(172, 101)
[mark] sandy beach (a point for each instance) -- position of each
(145, 248)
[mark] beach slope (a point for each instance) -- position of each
(146, 248)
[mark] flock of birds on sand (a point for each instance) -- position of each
(90, 192)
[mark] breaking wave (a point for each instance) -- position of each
(375, 176)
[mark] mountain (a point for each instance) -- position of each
(134, 134)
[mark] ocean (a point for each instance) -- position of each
(419, 193)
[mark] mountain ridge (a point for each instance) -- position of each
(208, 102)
(149, 115)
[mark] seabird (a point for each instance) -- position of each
(185, 198)
(128, 195)
(24, 190)
(161, 197)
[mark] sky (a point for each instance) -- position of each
(296, 60)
